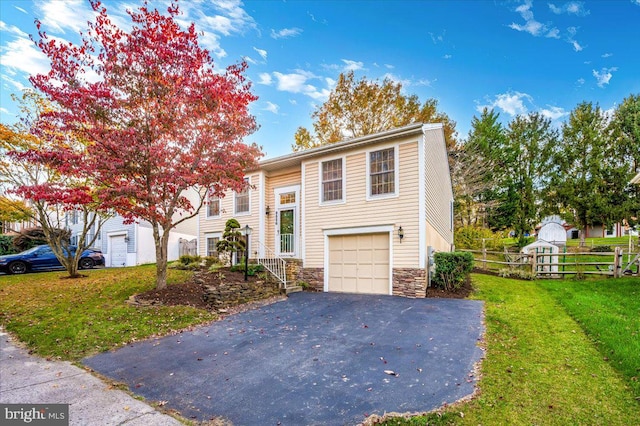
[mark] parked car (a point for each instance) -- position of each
(41, 258)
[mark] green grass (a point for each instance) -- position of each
(608, 311)
(73, 318)
(541, 368)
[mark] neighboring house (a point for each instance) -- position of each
(133, 244)
(355, 216)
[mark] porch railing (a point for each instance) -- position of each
(274, 264)
(287, 243)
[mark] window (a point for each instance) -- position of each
(212, 249)
(213, 208)
(242, 200)
(382, 176)
(332, 180)
(73, 217)
(288, 198)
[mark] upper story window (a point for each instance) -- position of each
(74, 217)
(213, 208)
(332, 180)
(382, 172)
(241, 200)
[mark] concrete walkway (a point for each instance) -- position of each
(27, 379)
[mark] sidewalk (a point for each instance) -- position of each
(27, 379)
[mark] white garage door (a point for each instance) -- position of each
(118, 250)
(359, 263)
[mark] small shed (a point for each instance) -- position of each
(547, 255)
(553, 231)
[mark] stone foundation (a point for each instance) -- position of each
(407, 282)
(410, 282)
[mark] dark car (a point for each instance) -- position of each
(41, 258)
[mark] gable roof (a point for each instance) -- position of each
(296, 158)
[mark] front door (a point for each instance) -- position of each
(287, 220)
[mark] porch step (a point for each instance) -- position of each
(293, 289)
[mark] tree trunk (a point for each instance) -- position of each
(162, 244)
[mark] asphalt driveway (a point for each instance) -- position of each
(317, 358)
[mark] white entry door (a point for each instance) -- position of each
(286, 225)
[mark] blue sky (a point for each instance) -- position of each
(514, 56)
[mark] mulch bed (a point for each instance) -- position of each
(193, 292)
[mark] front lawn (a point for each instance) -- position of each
(541, 368)
(73, 318)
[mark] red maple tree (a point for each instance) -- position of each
(154, 116)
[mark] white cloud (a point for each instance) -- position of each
(6, 111)
(570, 39)
(261, 52)
(604, 76)
(531, 26)
(265, 78)
(12, 29)
(513, 103)
(58, 15)
(553, 113)
(390, 67)
(19, 86)
(296, 82)
(21, 10)
(22, 55)
(350, 65)
(636, 2)
(447, 56)
(286, 33)
(581, 81)
(437, 38)
(608, 55)
(571, 8)
(271, 107)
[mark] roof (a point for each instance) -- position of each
(296, 158)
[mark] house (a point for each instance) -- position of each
(132, 244)
(355, 216)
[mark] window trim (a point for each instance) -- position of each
(396, 173)
(235, 199)
(343, 200)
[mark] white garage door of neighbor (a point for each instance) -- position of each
(118, 250)
(359, 263)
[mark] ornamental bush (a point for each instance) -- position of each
(452, 269)
(471, 237)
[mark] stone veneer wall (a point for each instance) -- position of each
(410, 282)
(407, 282)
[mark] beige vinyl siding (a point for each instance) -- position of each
(438, 191)
(401, 210)
(216, 224)
(280, 180)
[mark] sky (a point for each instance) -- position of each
(514, 56)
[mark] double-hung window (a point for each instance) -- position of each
(212, 246)
(241, 200)
(332, 180)
(213, 208)
(382, 172)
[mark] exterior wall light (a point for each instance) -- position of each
(267, 211)
(400, 233)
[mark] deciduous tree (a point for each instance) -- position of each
(50, 194)
(156, 118)
(362, 107)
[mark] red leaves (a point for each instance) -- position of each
(155, 120)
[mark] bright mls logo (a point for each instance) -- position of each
(34, 414)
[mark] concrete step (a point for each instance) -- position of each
(293, 289)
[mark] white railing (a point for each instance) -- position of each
(287, 243)
(274, 264)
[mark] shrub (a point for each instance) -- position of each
(602, 249)
(6, 245)
(520, 274)
(186, 259)
(252, 269)
(471, 237)
(452, 269)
